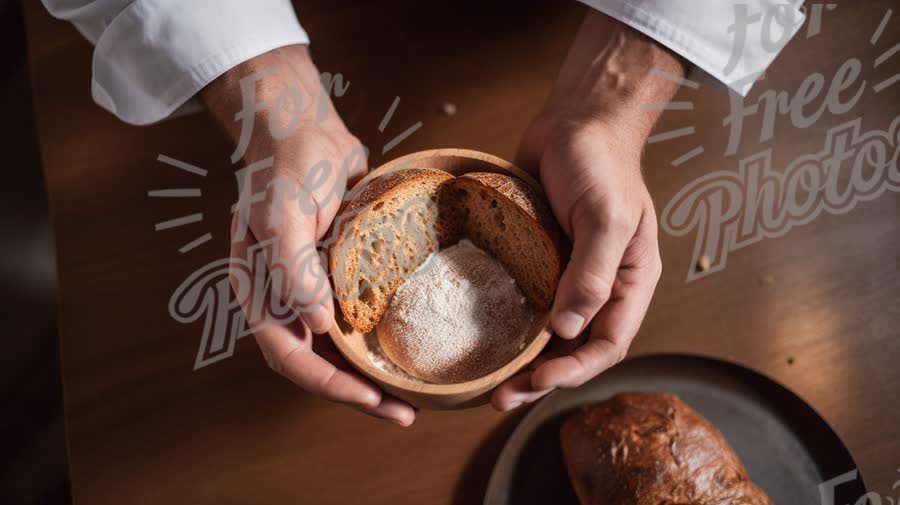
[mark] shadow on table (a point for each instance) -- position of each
(32, 437)
(539, 477)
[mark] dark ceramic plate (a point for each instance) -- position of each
(788, 449)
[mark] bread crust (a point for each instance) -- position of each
(651, 449)
(529, 200)
(378, 189)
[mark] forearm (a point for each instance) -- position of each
(608, 77)
(261, 101)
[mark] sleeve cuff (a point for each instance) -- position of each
(157, 54)
(704, 39)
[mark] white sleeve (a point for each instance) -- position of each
(152, 56)
(733, 41)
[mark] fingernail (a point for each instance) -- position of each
(513, 406)
(399, 423)
(568, 324)
(382, 417)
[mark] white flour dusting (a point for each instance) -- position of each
(458, 317)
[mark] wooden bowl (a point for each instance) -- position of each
(355, 346)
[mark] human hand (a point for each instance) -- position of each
(299, 158)
(586, 147)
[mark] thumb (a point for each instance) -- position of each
(307, 288)
(296, 268)
(598, 246)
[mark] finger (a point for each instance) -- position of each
(621, 318)
(314, 374)
(312, 179)
(516, 391)
(598, 247)
(612, 331)
(520, 389)
(595, 356)
(390, 408)
(393, 410)
(617, 323)
(288, 347)
(294, 263)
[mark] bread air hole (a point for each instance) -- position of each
(378, 206)
(498, 217)
(368, 296)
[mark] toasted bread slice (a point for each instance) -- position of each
(509, 218)
(384, 234)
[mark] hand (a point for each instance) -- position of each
(299, 158)
(586, 146)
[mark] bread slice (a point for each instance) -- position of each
(400, 218)
(649, 448)
(509, 218)
(384, 234)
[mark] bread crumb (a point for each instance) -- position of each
(704, 263)
(449, 109)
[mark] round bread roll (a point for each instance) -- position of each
(458, 317)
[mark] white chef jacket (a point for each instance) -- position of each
(151, 57)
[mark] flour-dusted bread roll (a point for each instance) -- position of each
(652, 449)
(399, 219)
(457, 318)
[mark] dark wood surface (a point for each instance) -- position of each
(815, 309)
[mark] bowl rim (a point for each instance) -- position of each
(486, 382)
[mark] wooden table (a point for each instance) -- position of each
(815, 309)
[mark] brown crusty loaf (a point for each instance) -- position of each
(652, 449)
(400, 218)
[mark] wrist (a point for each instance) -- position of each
(282, 91)
(619, 139)
(610, 75)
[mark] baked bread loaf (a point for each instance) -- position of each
(399, 219)
(652, 449)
